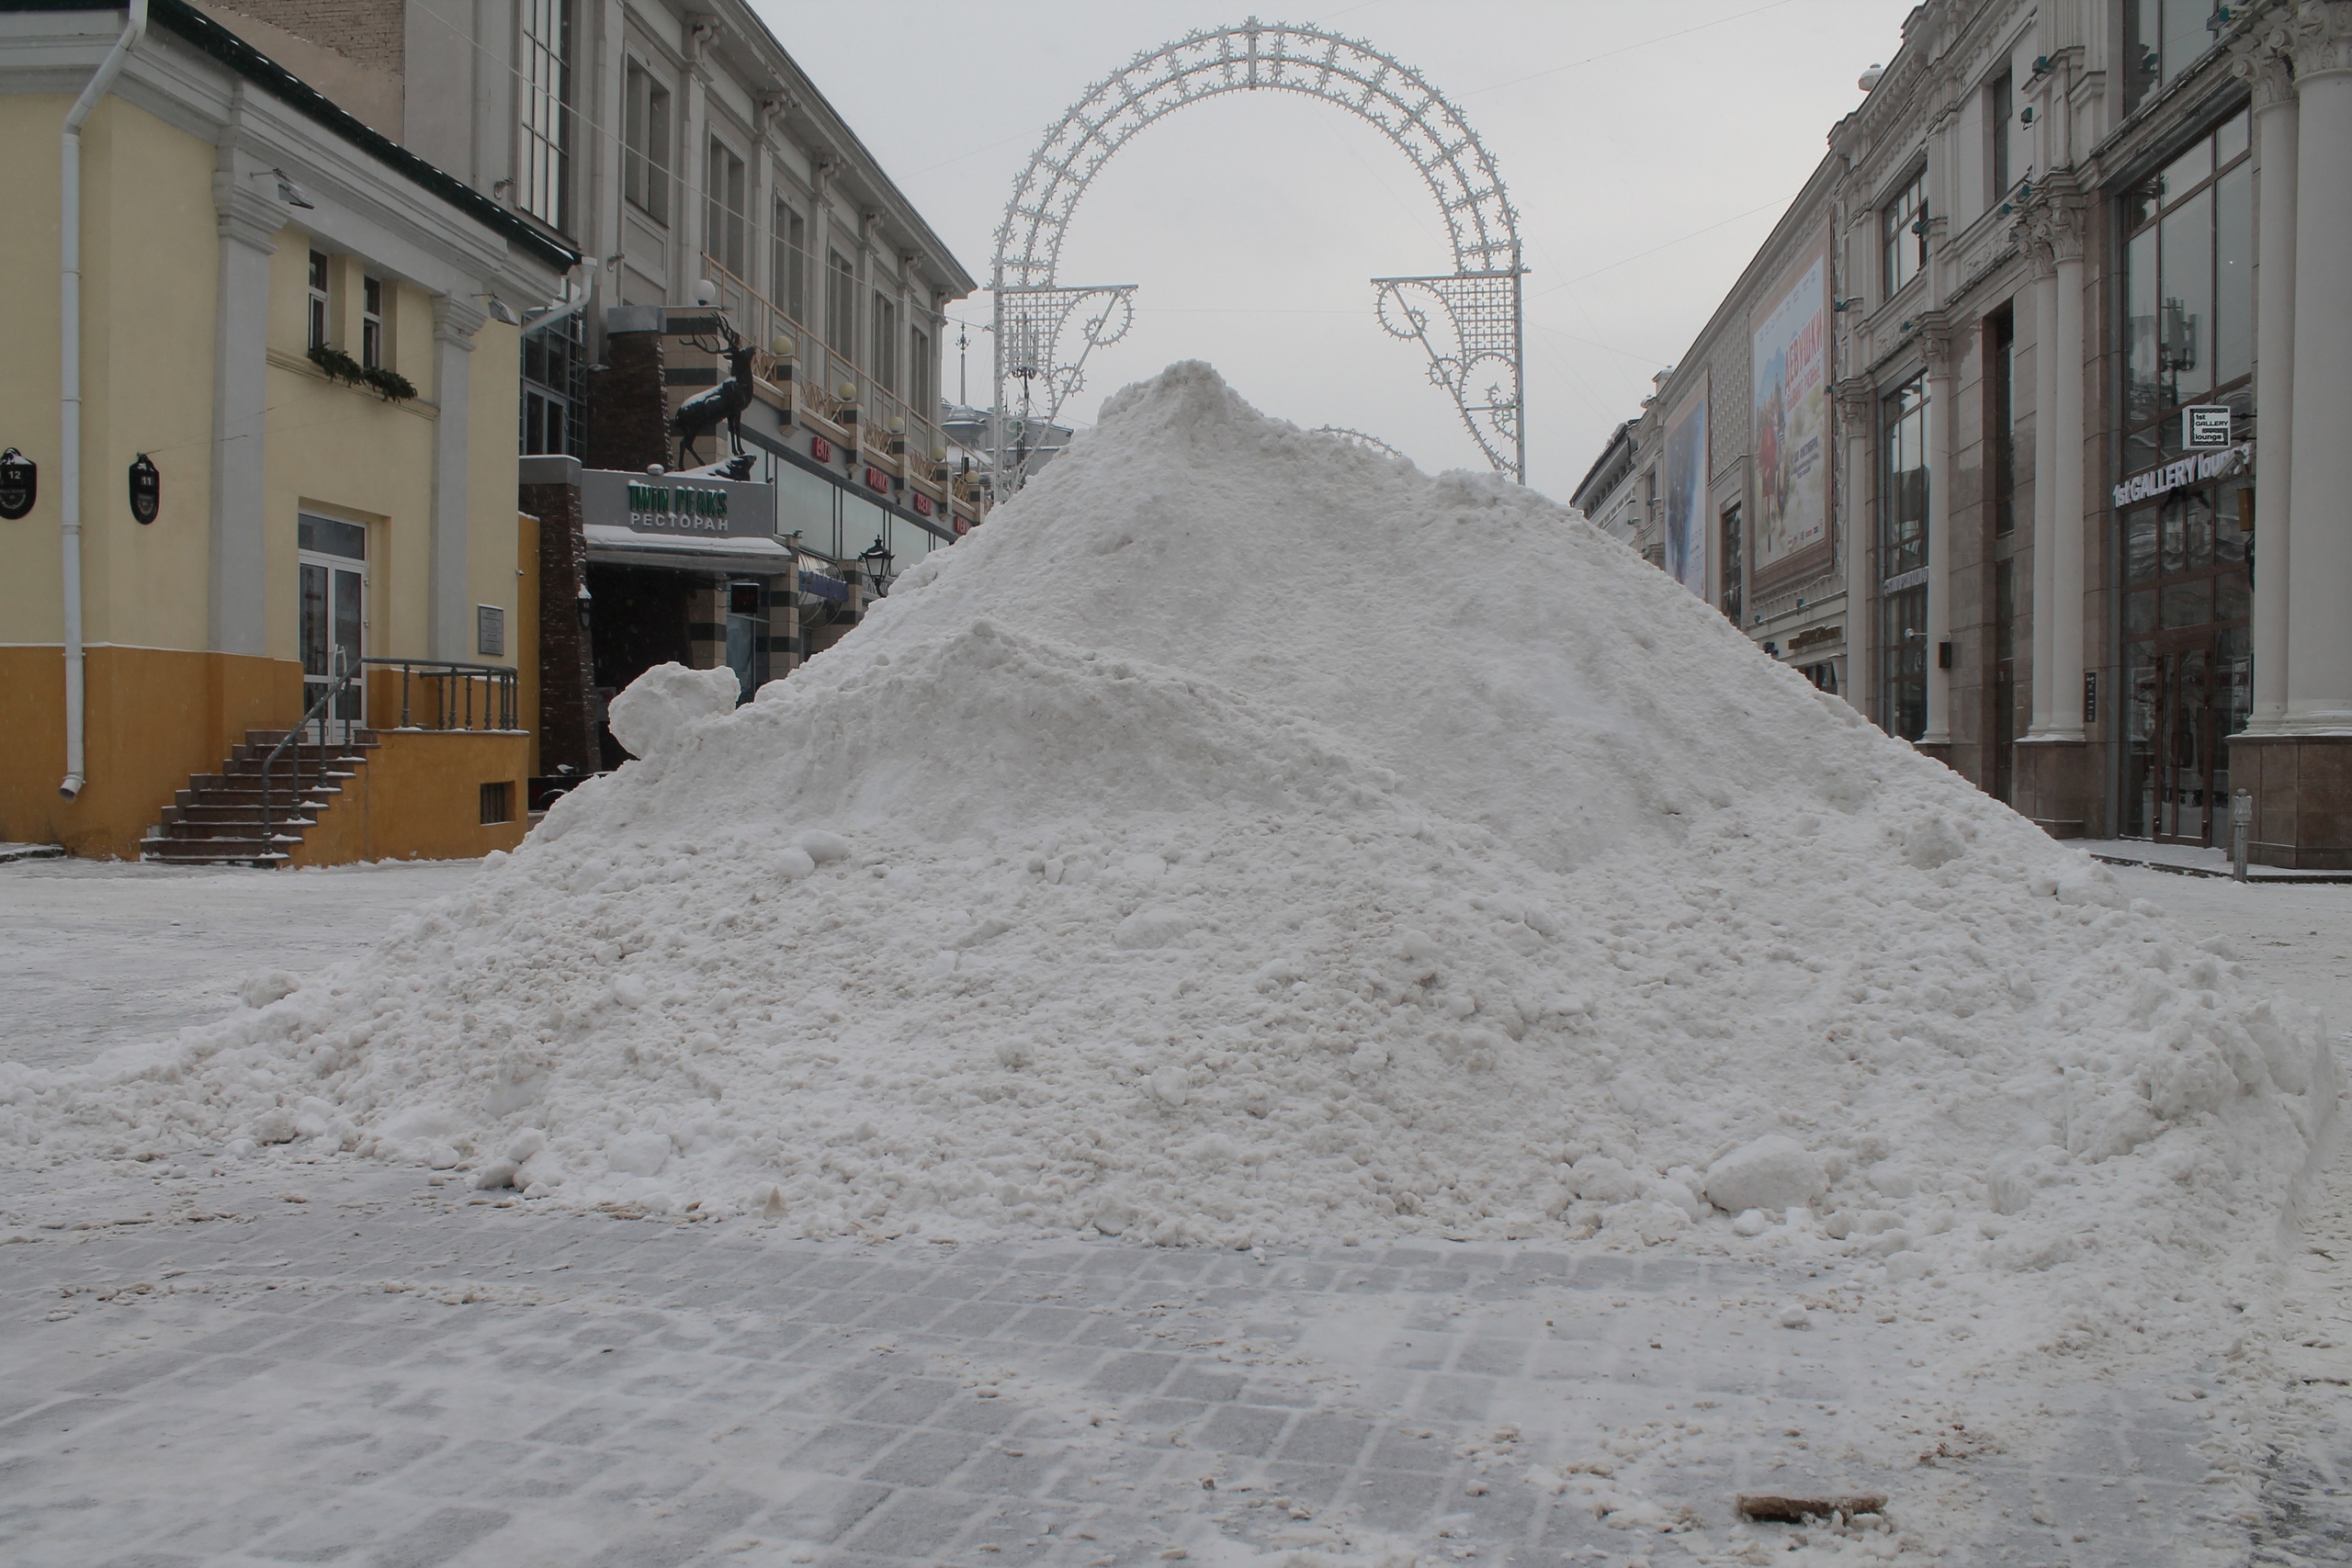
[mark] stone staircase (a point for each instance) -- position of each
(216, 820)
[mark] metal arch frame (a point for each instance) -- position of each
(1475, 334)
(1360, 439)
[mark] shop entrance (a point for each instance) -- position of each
(2188, 660)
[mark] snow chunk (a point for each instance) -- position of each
(1773, 1172)
(651, 715)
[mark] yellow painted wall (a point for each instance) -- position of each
(161, 707)
(419, 798)
(155, 716)
(146, 371)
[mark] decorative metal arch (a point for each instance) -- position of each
(1358, 438)
(1469, 322)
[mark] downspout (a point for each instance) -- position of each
(70, 383)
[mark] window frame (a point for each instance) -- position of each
(646, 125)
(372, 341)
(544, 126)
(725, 226)
(1904, 212)
(319, 290)
(788, 257)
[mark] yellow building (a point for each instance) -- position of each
(302, 339)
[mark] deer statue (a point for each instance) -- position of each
(701, 414)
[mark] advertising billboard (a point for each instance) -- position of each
(1791, 426)
(1686, 492)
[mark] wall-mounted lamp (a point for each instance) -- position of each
(1846, 304)
(585, 601)
(499, 309)
(289, 192)
(2024, 116)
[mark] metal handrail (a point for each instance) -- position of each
(337, 684)
(500, 694)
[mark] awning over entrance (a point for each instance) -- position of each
(743, 557)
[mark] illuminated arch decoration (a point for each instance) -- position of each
(1468, 322)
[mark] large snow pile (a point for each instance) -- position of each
(1245, 837)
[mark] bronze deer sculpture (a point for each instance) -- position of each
(702, 413)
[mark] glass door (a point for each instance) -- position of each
(334, 624)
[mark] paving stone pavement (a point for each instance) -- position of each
(200, 1370)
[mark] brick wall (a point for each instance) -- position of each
(373, 33)
(566, 731)
(627, 424)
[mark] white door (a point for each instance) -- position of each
(334, 562)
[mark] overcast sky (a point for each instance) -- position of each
(1648, 149)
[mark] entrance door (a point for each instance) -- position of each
(334, 565)
(2186, 701)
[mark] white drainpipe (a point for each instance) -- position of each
(70, 383)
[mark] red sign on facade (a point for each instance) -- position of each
(821, 449)
(876, 480)
(963, 527)
(922, 505)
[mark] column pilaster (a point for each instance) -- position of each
(2262, 62)
(238, 596)
(1857, 429)
(2066, 546)
(2045, 269)
(2319, 629)
(455, 320)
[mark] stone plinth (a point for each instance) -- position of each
(2055, 786)
(2302, 786)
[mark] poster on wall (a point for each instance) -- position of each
(1791, 426)
(1686, 492)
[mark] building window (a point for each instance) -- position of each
(1729, 525)
(1902, 224)
(645, 145)
(2189, 291)
(2161, 40)
(2000, 118)
(1903, 480)
(883, 346)
(2000, 416)
(1902, 662)
(321, 314)
(923, 376)
(546, 112)
(788, 268)
(371, 322)
(554, 389)
(723, 228)
(841, 307)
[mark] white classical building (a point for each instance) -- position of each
(1988, 432)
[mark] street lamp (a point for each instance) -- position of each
(877, 562)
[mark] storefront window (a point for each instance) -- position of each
(2189, 291)
(2187, 557)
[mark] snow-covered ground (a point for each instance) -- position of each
(112, 952)
(210, 1360)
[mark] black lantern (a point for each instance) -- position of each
(877, 562)
(146, 489)
(19, 484)
(586, 600)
